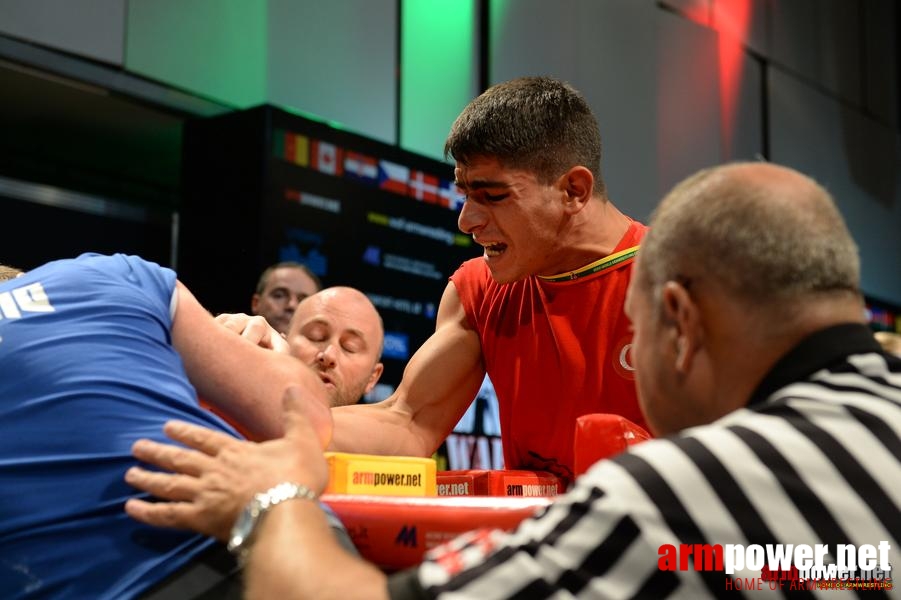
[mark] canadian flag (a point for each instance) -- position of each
(393, 177)
(423, 187)
(327, 158)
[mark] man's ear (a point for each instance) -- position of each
(578, 185)
(374, 377)
(680, 309)
(254, 303)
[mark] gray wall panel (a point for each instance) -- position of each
(91, 28)
(337, 60)
(649, 75)
(743, 132)
(881, 60)
(820, 41)
(535, 37)
(816, 134)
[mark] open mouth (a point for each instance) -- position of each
(326, 379)
(492, 250)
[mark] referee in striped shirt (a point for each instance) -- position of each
(777, 414)
(781, 411)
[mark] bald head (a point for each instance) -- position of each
(339, 333)
(765, 232)
(740, 264)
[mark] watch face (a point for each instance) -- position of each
(243, 526)
(242, 531)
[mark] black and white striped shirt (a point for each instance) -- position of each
(815, 458)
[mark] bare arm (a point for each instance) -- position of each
(295, 554)
(239, 378)
(439, 383)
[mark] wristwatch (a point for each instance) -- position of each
(242, 533)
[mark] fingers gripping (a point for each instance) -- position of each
(180, 490)
(200, 496)
(258, 331)
(169, 457)
(159, 514)
(236, 322)
(162, 485)
(255, 329)
(208, 441)
(178, 515)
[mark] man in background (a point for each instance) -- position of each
(280, 289)
(337, 331)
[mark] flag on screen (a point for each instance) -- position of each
(393, 177)
(449, 196)
(296, 149)
(278, 143)
(327, 158)
(423, 187)
(361, 167)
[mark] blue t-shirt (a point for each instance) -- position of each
(87, 367)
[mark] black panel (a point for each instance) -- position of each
(35, 233)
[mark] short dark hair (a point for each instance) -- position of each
(538, 124)
(288, 264)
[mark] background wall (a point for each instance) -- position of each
(95, 92)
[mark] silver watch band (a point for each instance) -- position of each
(260, 504)
(286, 490)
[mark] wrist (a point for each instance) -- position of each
(246, 526)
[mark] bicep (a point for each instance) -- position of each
(239, 378)
(444, 376)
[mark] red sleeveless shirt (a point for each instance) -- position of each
(554, 350)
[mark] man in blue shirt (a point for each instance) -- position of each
(94, 352)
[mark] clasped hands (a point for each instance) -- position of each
(254, 329)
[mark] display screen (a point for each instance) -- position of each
(370, 216)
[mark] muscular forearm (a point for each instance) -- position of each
(296, 556)
(376, 429)
(439, 382)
